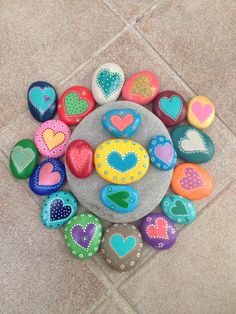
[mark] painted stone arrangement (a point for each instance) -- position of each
(120, 161)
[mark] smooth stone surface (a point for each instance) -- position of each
(121, 122)
(119, 198)
(158, 231)
(107, 83)
(75, 104)
(51, 138)
(122, 246)
(170, 107)
(192, 145)
(83, 235)
(58, 208)
(121, 161)
(23, 159)
(201, 112)
(162, 153)
(79, 158)
(179, 209)
(141, 87)
(191, 181)
(47, 177)
(88, 191)
(42, 100)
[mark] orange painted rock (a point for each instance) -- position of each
(141, 87)
(191, 181)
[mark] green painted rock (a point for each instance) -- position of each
(23, 159)
(192, 144)
(83, 235)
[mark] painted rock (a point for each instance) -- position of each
(51, 138)
(75, 104)
(178, 209)
(141, 87)
(58, 208)
(162, 153)
(47, 177)
(191, 181)
(170, 107)
(79, 158)
(121, 161)
(122, 246)
(121, 122)
(83, 235)
(107, 83)
(158, 231)
(192, 144)
(201, 112)
(119, 198)
(23, 159)
(42, 100)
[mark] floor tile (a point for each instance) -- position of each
(115, 305)
(198, 274)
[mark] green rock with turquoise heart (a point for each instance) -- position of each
(122, 246)
(192, 144)
(23, 159)
(178, 209)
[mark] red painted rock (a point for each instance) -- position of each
(170, 107)
(75, 104)
(141, 87)
(79, 158)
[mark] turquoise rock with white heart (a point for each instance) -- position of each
(119, 198)
(179, 209)
(107, 83)
(121, 123)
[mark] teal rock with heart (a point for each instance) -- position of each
(119, 198)
(23, 159)
(178, 209)
(192, 144)
(107, 83)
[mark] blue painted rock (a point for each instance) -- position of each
(47, 177)
(192, 144)
(121, 122)
(119, 198)
(42, 100)
(107, 83)
(162, 153)
(58, 208)
(23, 159)
(122, 246)
(178, 209)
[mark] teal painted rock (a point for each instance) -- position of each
(192, 145)
(83, 235)
(178, 209)
(119, 198)
(58, 208)
(23, 159)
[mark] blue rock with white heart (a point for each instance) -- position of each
(121, 123)
(162, 153)
(42, 100)
(119, 198)
(178, 209)
(107, 83)
(58, 208)
(122, 246)
(192, 144)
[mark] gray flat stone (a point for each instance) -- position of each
(151, 188)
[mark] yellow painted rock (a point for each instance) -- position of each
(121, 161)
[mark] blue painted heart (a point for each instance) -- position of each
(171, 106)
(58, 211)
(42, 98)
(109, 82)
(122, 163)
(122, 246)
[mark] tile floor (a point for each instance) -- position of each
(190, 45)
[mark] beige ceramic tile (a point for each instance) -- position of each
(197, 38)
(198, 274)
(47, 40)
(115, 305)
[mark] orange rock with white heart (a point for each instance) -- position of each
(201, 112)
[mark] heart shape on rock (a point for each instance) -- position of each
(119, 198)
(47, 176)
(53, 139)
(58, 211)
(171, 106)
(22, 157)
(143, 86)
(159, 229)
(165, 153)
(122, 163)
(202, 111)
(83, 236)
(121, 123)
(179, 209)
(122, 246)
(192, 142)
(74, 105)
(109, 82)
(42, 98)
(192, 179)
